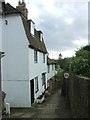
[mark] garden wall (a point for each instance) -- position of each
(79, 96)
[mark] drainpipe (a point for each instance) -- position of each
(0, 91)
(1, 55)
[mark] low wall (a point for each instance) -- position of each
(79, 94)
(52, 84)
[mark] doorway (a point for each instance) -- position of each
(32, 91)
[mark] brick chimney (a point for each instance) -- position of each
(22, 8)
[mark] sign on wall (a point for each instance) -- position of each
(66, 75)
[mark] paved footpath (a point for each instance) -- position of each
(54, 106)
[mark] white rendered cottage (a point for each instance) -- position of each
(25, 63)
(50, 74)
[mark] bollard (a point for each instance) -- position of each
(8, 108)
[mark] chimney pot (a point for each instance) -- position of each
(22, 8)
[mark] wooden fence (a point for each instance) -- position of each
(79, 96)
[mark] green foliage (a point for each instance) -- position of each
(64, 63)
(87, 47)
(80, 64)
(59, 75)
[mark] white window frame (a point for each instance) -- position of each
(32, 27)
(41, 36)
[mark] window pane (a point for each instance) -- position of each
(52, 67)
(43, 58)
(32, 28)
(36, 85)
(35, 56)
(48, 68)
(43, 78)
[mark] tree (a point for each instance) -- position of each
(60, 56)
(80, 64)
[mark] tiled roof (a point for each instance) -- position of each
(34, 41)
(50, 61)
(8, 9)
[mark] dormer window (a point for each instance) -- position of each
(32, 27)
(40, 35)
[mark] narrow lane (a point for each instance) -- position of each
(54, 106)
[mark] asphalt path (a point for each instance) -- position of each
(54, 106)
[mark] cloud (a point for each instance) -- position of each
(65, 53)
(64, 23)
(61, 30)
(80, 42)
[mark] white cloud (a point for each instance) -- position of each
(66, 53)
(61, 22)
(53, 54)
(69, 20)
(80, 42)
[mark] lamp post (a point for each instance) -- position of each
(1, 55)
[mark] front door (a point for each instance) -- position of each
(32, 90)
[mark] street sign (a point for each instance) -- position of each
(66, 75)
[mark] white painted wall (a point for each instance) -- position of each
(17, 93)
(36, 69)
(51, 72)
(16, 62)
(0, 33)
(0, 61)
(18, 65)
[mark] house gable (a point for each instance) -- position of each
(34, 40)
(8, 9)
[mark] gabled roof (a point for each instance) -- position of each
(50, 61)
(8, 9)
(34, 41)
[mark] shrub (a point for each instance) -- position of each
(59, 75)
(80, 64)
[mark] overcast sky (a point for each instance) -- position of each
(64, 23)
